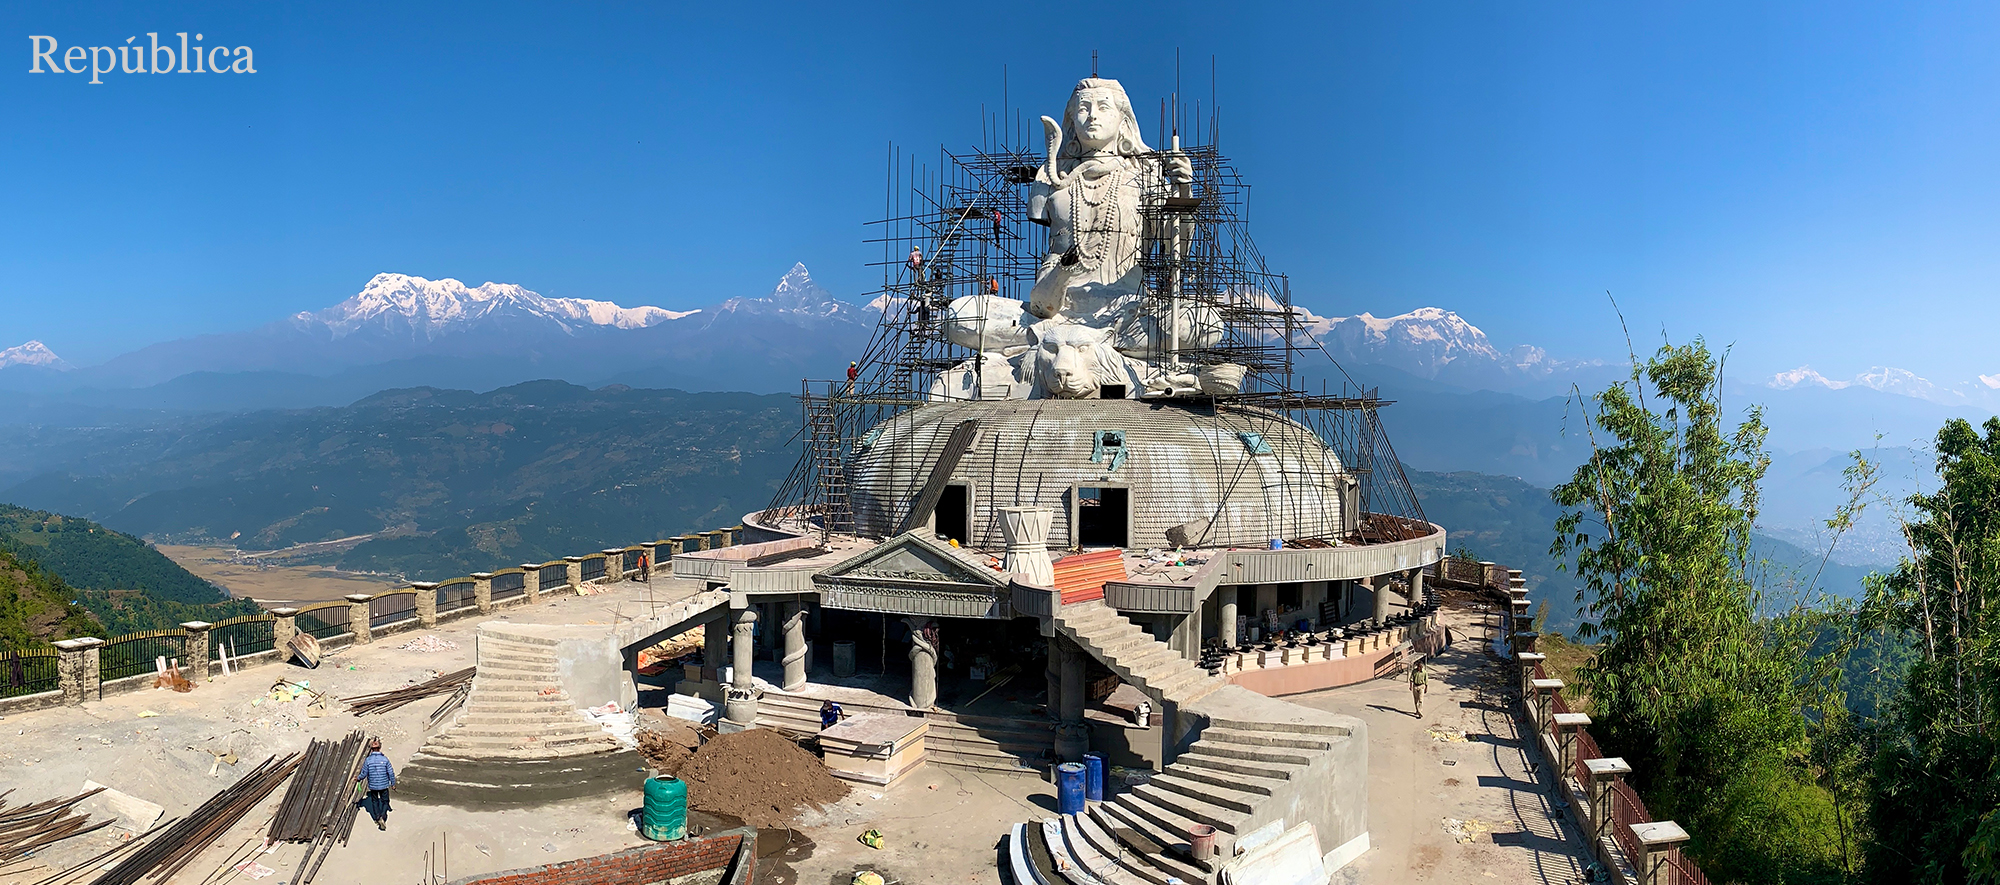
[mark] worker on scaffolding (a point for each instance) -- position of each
(853, 372)
(916, 264)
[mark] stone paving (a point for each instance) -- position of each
(1458, 796)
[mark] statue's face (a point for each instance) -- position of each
(1096, 123)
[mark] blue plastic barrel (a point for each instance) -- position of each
(1069, 788)
(665, 817)
(1093, 777)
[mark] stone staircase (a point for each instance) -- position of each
(1146, 663)
(519, 730)
(988, 743)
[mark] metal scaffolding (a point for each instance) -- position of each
(966, 216)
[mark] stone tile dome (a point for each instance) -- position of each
(1124, 472)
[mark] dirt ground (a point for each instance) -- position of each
(1455, 796)
(273, 584)
(940, 825)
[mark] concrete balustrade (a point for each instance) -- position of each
(482, 591)
(194, 650)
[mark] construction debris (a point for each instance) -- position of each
(383, 702)
(29, 827)
(428, 643)
(179, 843)
(758, 777)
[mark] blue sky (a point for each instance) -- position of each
(1814, 183)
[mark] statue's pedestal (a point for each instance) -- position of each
(874, 749)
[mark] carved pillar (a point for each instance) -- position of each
(1225, 608)
(795, 646)
(531, 582)
(482, 591)
(573, 572)
(427, 604)
(194, 650)
(1026, 530)
(923, 662)
(1072, 737)
(358, 618)
(77, 669)
(739, 704)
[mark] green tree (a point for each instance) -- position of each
(1936, 793)
(1709, 703)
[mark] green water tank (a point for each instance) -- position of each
(666, 815)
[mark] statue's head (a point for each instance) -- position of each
(1099, 120)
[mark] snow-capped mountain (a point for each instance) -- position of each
(426, 310)
(33, 354)
(796, 300)
(1434, 344)
(1901, 382)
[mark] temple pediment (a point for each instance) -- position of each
(912, 558)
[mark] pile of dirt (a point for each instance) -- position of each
(758, 777)
(667, 746)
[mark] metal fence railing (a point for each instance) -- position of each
(508, 585)
(323, 620)
(28, 671)
(244, 635)
(632, 561)
(553, 575)
(388, 608)
(593, 568)
(455, 595)
(136, 653)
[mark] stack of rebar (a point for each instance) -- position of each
(319, 805)
(29, 827)
(180, 843)
(383, 702)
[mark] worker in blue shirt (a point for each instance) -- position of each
(380, 775)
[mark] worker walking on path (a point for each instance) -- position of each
(1417, 680)
(380, 775)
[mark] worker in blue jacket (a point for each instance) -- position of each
(380, 775)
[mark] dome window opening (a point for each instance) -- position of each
(1108, 448)
(1102, 515)
(953, 518)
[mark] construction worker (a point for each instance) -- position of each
(1417, 680)
(380, 775)
(916, 265)
(853, 372)
(829, 715)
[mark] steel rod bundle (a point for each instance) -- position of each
(383, 702)
(325, 780)
(29, 827)
(179, 844)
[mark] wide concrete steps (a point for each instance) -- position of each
(986, 743)
(1133, 653)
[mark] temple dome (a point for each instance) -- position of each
(1118, 472)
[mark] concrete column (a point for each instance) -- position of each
(923, 663)
(1416, 587)
(194, 652)
(1072, 737)
(358, 617)
(77, 670)
(795, 659)
(482, 591)
(614, 565)
(427, 603)
(739, 700)
(575, 570)
(1225, 610)
(531, 582)
(703, 540)
(649, 550)
(1266, 600)
(1658, 841)
(1311, 598)
(731, 535)
(1381, 585)
(284, 624)
(714, 647)
(1603, 774)
(1545, 690)
(1567, 726)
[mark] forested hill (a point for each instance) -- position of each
(124, 584)
(36, 608)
